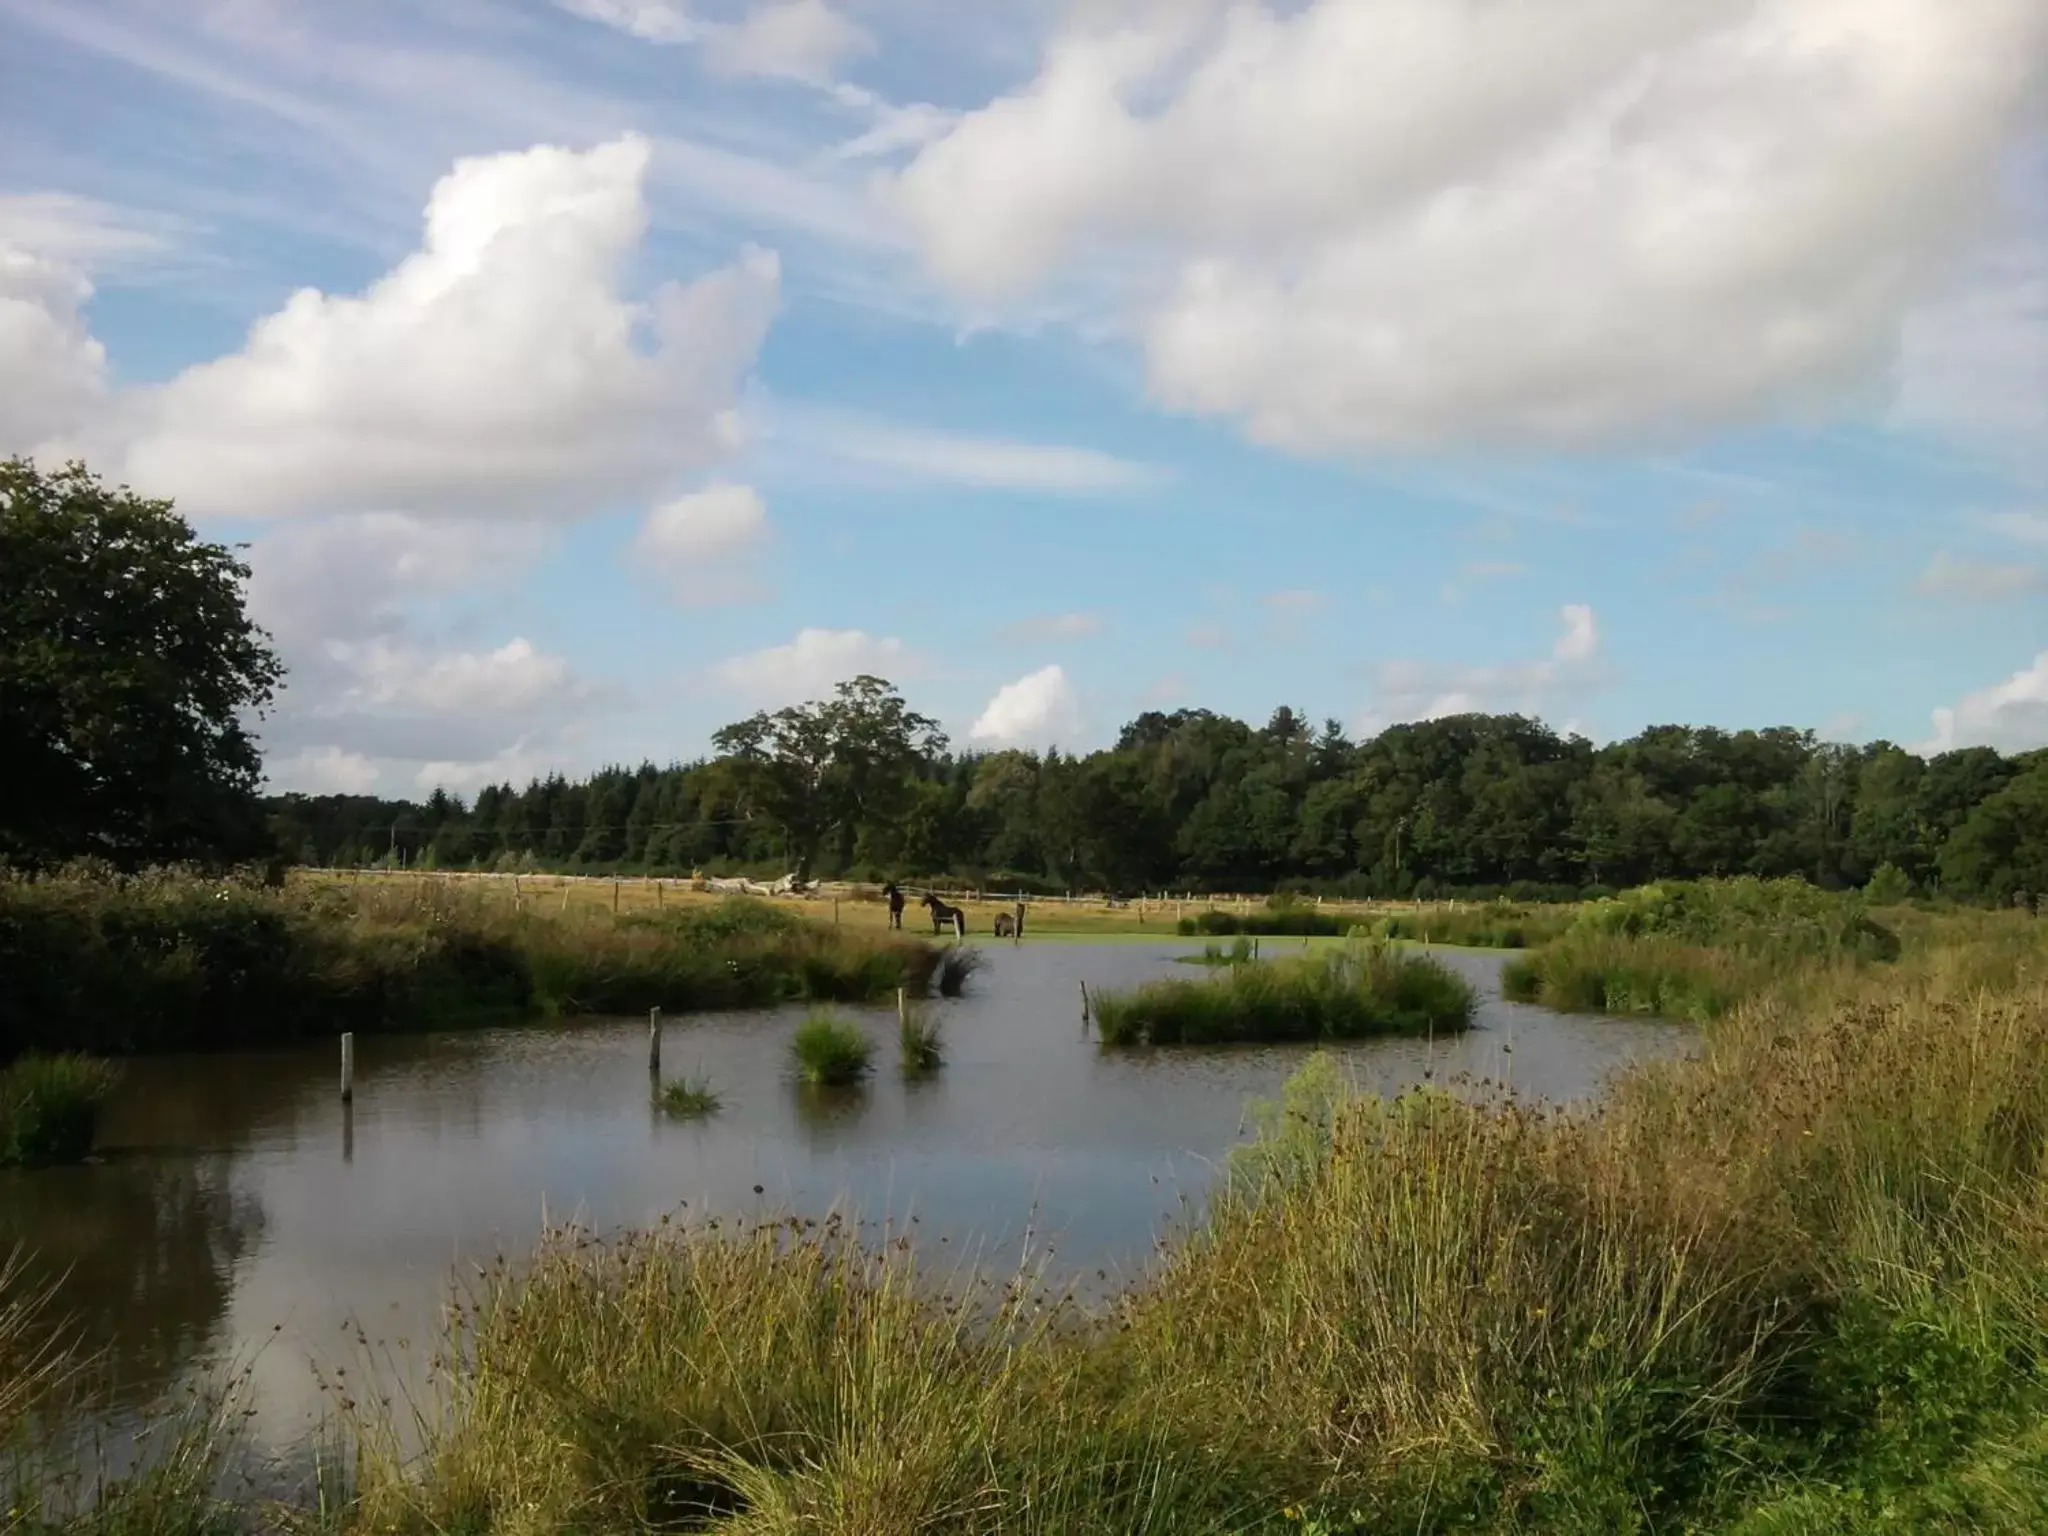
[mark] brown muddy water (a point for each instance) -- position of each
(238, 1215)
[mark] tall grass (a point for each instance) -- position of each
(957, 966)
(831, 1052)
(1367, 989)
(171, 962)
(690, 1098)
(920, 1049)
(1600, 973)
(49, 1109)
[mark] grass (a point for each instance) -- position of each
(1605, 974)
(830, 1052)
(1797, 1282)
(690, 1098)
(49, 1109)
(919, 1046)
(1365, 989)
(1213, 955)
(171, 962)
(956, 965)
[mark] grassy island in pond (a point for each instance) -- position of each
(122, 966)
(49, 1109)
(830, 1052)
(1365, 989)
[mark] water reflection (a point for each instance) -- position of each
(242, 1205)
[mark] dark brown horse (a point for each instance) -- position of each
(895, 895)
(943, 915)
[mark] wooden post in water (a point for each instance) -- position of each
(1084, 1005)
(348, 1068)
(615, 896)
(654, 1041)
(1017, 928)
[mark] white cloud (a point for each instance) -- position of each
(1973, 365)
(82, 233)
(1580, 638)
(657, 21)
(799, 39)
(321, 771)
(1296, 599)
(499, 370)
(1059, 626)
(698, 543)
(809, 666)
(2027, 527)
(1412, 224)
(2011, 716)
(1978, 581)
(1040, 709)
(1414, 690)
(954, 458)
(52, 371)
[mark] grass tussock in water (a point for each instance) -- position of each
(50, 1107)
(1796, 1284)
(1600, 973)
(830, 1052)
(957, 966)
(690, 1098)
(1366, 989)
(172, 962)
(920, 1047)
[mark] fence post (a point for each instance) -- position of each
(615, 896)
(1017, 928)
(654, 1041)
(1084, 1005)
(348, 1067)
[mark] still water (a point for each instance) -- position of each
(239, 1214)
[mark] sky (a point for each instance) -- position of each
(582, 375)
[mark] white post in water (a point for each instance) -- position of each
(654, 1040)
(348, 1068)
(902, 1009)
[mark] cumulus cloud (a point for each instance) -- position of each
(2011, 716)
(1040, 709)
(1624, 221)
(799, 39)
(1978, 580)
(808, 666)
(52, 371)
(499, 370)
(698, 544)
(1415, 690)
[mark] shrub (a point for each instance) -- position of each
(831, 1052)
(49, 1109)
(1888, 886)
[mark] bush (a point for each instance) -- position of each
(1366, 989)
(49, 1109)
(1888, 886)
(830, 1052)
(689, 1098)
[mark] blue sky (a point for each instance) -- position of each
(585, 375)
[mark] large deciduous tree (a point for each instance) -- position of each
(130, 672)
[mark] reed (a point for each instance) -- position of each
(1366, 989)
(1601, 973)
(831, 1052)
(49, 1109)
(956, 966)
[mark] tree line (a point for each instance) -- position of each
(132, 683)
(861, 786)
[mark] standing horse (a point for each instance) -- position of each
(943, 914)
(895, 895)
(1006, 925)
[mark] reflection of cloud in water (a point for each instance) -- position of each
(464, 1145)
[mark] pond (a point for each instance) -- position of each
(239, 1213)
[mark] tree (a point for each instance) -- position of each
(2001, 848)
(129, 675)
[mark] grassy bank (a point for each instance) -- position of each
(1366, 989)
(1694, 949)
(1497, 925)
(175, 963)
